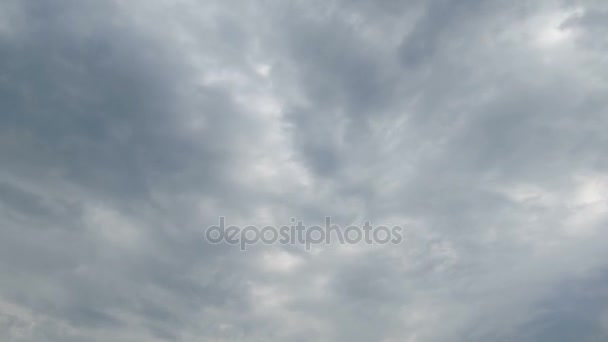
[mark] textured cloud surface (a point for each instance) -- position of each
(128, 127)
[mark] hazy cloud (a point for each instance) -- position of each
(127, 128)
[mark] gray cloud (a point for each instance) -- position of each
(127, 128)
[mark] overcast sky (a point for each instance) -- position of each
(128, 127)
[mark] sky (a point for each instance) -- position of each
(128, 127)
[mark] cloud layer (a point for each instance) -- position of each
(127, 128)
